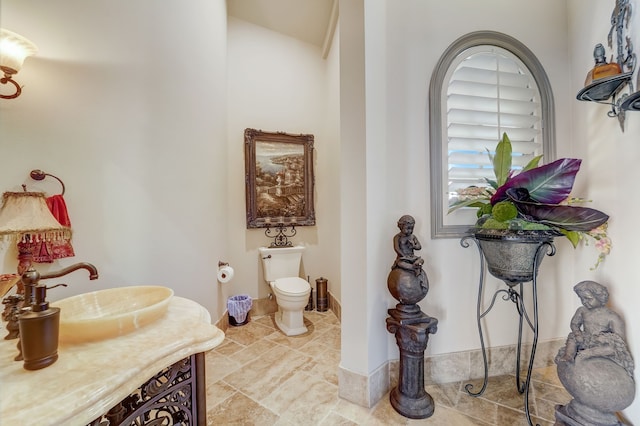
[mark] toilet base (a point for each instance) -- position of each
(291, 323)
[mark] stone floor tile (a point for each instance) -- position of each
(259, 376)
(303, 399)
(240, 410)
(334, 419)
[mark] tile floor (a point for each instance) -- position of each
(258, 376)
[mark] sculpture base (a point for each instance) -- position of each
(566, 415)
(412, 407)
(411, 328)
(406, 312)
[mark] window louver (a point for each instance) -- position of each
(489, 92)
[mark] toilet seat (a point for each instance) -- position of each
(292, 286)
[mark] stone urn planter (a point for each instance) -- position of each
(514, 256)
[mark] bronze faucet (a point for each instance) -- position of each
(38, 322)
(31, 277)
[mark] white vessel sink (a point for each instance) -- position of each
(109, 313)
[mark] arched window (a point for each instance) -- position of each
(485, 84)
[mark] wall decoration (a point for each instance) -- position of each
(610, 83)
(279, 179)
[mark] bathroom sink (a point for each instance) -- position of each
(110, 313)
(7, 281)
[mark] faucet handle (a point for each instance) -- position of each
(41, 303)
(30, 276)
(57, 285)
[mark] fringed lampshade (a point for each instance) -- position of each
(26, 215)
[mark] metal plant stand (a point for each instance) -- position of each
(515, 260)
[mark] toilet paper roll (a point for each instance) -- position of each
(225, 274)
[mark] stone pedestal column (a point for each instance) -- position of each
(412, 331)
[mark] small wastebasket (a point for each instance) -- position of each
(239, 307)
(322, 301)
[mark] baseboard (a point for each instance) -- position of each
(223, 322)
(335, 307)
(363, 390)
(259, 307)
(451, 367)
(444, 368)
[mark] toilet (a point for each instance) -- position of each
(281, 267)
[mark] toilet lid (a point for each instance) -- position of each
(292, 285)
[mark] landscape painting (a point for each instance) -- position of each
(279, 179)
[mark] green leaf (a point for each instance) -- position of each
(490, 155)
(533, 163)
(492, 183)
(466, 203)
(572, 236)
(502, 160)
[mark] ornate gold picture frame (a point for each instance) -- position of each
(279, 179)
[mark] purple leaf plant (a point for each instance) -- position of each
(536, 197)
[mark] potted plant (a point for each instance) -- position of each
(532, 205)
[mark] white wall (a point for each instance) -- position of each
(611, 168)
(126, 103)
(277, 83)
(330, 170)
(356, 298)
(402, 45)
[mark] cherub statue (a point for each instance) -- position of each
(407, 281)
(404, 244)
(595, 365)
(596, 331)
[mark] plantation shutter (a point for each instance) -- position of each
(490, 92)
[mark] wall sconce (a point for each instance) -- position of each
(632, 102)
(13, 50)
(606, 82)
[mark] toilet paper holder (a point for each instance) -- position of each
(225, 272)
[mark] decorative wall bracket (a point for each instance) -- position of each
(616, 90)
(280, 234)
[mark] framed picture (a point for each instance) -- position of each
(279, 179)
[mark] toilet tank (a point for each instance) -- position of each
(280, 262)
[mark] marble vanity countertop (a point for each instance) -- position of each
(90, 378)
